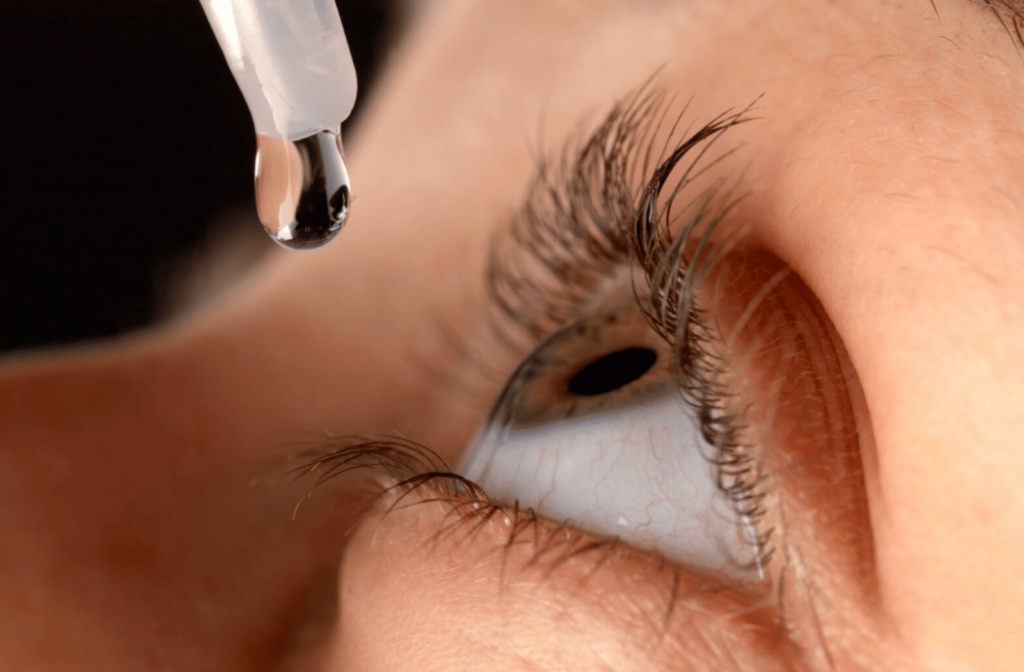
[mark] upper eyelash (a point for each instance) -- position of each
(587, 215)
(673, 281)
(581, 218)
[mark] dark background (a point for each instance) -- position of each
(126, 137)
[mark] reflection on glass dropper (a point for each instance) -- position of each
(302, 189)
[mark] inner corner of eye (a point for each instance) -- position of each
(592, 430)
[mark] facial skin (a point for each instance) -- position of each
(884, 169)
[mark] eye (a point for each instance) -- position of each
(592, 429)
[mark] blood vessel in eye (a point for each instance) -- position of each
(612, 371)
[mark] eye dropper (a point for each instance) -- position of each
(291, 61)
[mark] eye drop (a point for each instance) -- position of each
(292, 63)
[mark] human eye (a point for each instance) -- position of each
(593, 429)
(676, 399)
(619, 422)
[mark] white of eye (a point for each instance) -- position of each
(637, 473)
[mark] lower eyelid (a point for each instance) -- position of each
(532, 583)
(432, 534)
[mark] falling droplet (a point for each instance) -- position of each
(302, 189)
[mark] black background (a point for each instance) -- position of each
(126, 137)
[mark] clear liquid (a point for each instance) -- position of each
(302, 189)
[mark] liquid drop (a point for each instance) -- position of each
(302, 189)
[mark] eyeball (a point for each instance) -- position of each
(591, 429)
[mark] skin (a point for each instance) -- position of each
(884, 170)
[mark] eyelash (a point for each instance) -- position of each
(582, 224)
(409, 474)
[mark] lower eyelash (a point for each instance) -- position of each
(408, 474)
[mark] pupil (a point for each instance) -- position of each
(612, 371)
